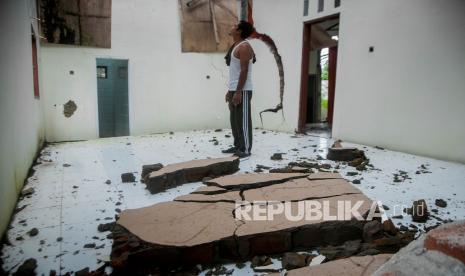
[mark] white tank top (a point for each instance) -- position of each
(235, 71)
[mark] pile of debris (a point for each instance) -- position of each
(202, 227)
(355, 157)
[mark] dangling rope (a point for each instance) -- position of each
(274, 50)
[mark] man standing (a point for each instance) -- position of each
(240, 59)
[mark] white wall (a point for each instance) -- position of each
(409, 94)
(168, 90)
(328, 9)
(21, 122)
(282, 20)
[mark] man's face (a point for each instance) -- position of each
(234, 32)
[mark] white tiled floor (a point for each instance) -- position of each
(70, 202)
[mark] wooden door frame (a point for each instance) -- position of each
(35, 65)
(332, 63)
(304, 68)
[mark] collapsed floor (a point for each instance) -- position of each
(73, 180)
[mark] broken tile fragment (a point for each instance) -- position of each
(177, 174)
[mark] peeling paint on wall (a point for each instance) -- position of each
(69, 108)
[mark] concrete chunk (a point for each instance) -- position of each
(365, 265)
(177, 174)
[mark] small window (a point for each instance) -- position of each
(101, 72)
(337, 3)
(321, 5)
(306, 7)
(123, 72)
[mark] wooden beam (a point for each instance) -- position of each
(215, 26)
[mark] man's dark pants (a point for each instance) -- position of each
(241, 121)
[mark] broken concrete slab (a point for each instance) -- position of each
(281, 223)
(365, 265)
(252, 180)
(301, 189)
(201, 227)
(177, 174)
(180, 223)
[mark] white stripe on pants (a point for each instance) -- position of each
(245, 119)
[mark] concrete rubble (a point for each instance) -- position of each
(200, 228)
(177, 174)
(365, 265)
(146, 169)
(438, 252)
(339, 153)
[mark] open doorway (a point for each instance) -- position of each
(318, 79)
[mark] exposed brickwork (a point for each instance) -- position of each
(448, 239)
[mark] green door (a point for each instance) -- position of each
(112, 89)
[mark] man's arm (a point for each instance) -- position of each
(245, 55)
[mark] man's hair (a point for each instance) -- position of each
(246, 29)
